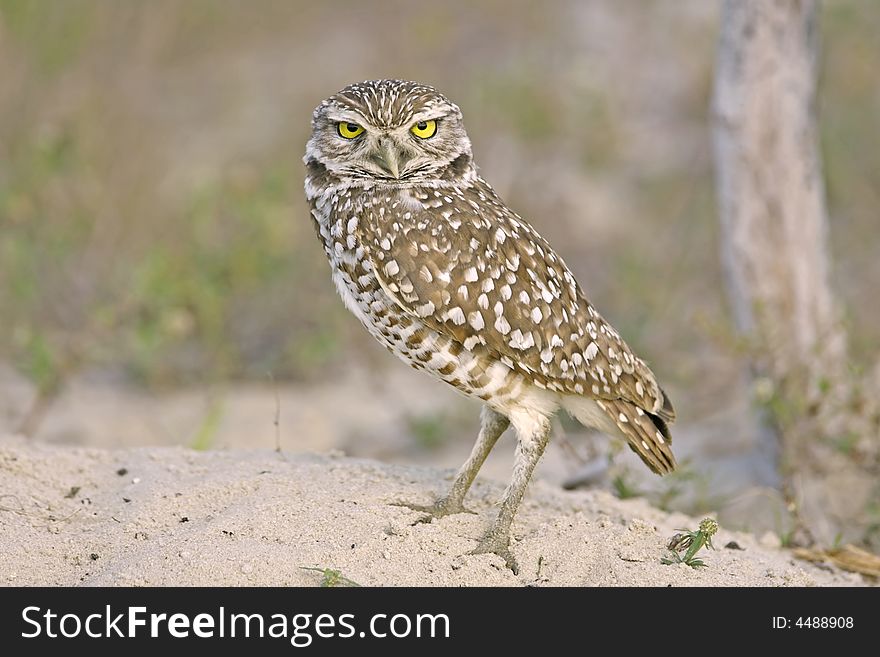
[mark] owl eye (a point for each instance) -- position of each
(424, 129)
(348, 130)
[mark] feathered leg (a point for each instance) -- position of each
(533, 433)
(493, 425)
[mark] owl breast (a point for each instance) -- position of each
(337, 215)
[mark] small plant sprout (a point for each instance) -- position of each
(332, 578)
(690, 543)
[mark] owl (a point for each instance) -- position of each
(452, 281)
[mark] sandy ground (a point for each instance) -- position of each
(174, 516)
(723, 469)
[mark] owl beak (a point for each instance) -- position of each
(387, 157)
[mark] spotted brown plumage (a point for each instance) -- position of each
(448, 278)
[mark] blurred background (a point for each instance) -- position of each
(161, 284)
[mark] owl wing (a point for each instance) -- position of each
(473, 270)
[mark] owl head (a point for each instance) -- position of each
(389, 130)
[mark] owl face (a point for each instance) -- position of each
(389, 130)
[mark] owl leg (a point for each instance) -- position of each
(493, 425)
(533, 432)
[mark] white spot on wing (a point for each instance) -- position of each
(592, 350)
(456, 315)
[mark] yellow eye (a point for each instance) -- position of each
(424, 129)
(349, 130)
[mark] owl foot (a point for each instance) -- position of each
(498, 543)
(439, 509)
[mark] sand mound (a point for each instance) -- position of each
(172, 516)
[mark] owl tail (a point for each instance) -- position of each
(646, 433)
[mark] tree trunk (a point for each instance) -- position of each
(774, 230)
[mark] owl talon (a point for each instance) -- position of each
(440, 509)
(499, 545)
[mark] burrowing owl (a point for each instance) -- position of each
(446, 276)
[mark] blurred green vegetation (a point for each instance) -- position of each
(193, 302)
(151, 209)
(849, 110)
